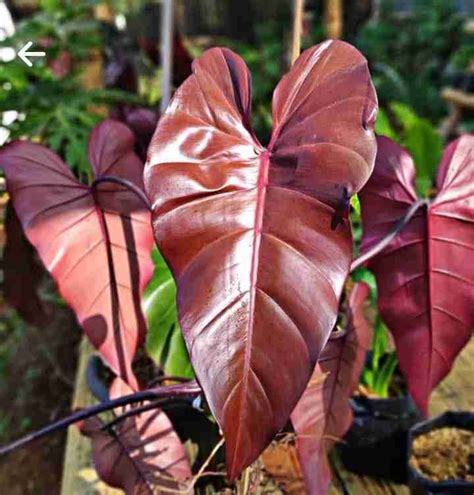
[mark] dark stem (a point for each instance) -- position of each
(170, 378)
(171, 393)
(125, 183)
(135, 411)
(382, 244)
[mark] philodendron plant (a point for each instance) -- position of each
(259, 243)
(425, 275)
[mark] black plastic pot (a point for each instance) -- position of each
(376, 443)
(419, 485)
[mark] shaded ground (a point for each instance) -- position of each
(37, 368)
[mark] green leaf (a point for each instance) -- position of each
(178, 362)
(425, 146)
(165, 343)
(380, 343)
(383, 378)
(159, 307)
(405, 116)
(384, 128)
(422, 141)
(362, 274)
(50, 5)
(367, 378)
(355, 203)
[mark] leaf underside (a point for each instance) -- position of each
(143, 455)
(248, 231)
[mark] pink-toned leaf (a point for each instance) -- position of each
(323, 413)
(95, 242)
(141, 455)
(247, 230)
(425, 276)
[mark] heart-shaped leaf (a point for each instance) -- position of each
(425, 276)
(323, 413)
(95, 241)
(254, 236)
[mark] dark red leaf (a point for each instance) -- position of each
(247, 230)
(22, 272)
(141, 455)
(96, 243)
(142, 121)
(323, 413)
(425, 276)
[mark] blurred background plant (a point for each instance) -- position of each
(414, 53)
(53, 102)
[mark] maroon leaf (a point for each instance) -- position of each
(142, 121)
(141, 455)
(96, 242)
(23, 272)
(247, 230)
(323, 413)
(425, 276)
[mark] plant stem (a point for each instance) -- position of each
(125, 183)
(383, 243)
(171, 392)
(135, 411)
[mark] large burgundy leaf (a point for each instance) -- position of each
(142, 454)
(247, 230)
(95, 242)
(425, 276)
(323, 414)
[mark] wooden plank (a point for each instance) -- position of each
(347, 483)
(79, 477)
(456, 391)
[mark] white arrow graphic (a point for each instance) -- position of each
(24, 54)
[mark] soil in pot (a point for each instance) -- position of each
(444, 454)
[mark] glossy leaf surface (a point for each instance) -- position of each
(96, 242)
(425, 277)
(248, 231)
(323, 413)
